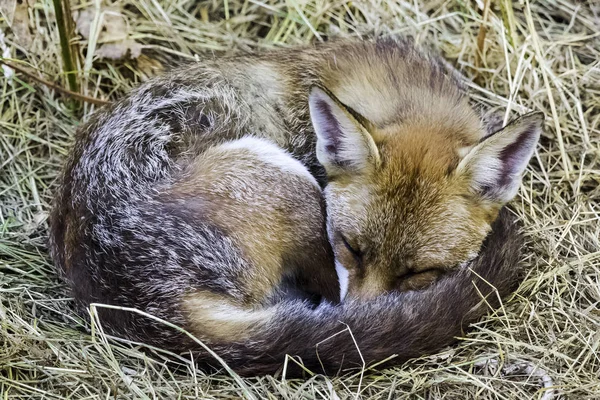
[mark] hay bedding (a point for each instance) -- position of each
(542, 55)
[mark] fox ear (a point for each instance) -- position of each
(343, 143)
(496, 164)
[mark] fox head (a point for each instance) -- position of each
(409, 201)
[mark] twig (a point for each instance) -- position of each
(54, 86)
(481, 34)
(64, 21)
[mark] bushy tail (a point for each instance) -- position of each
(406, 325)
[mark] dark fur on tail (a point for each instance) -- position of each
(407, 325)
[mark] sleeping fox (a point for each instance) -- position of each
(196, 198)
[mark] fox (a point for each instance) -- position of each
(185, 199)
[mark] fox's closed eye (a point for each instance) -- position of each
(418, 280)
(354, 249)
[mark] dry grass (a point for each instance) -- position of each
(542, 55)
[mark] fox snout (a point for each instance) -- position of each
(366, 289)
(357, 287)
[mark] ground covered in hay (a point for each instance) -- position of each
(544, 343)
